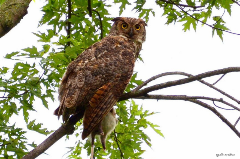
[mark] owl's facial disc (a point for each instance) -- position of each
(130, 31)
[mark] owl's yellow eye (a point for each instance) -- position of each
(137, 27)
(124, 25)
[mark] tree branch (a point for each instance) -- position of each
(68, 21)
(222, 107)
(100, 21)
(236, 122)
(116, 139)
(68, 127)
(182, 5)
(11, 12)
(236, 2)
(178, 82)
(89, 8)
(212, 109)
(185, 97)
(193, 100)
(189, 75)
(219, 79)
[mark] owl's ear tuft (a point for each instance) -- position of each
(143, 22)
(117, 19)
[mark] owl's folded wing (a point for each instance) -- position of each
(100, 104)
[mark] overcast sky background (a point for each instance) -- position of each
(191, 131)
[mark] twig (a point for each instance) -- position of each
(216, 113)
(236, 122)
(89, 8)
(153, 78)
(203, 21)
(219, 18)
(183, 5)
(221, 107)
(236, 2)
(116, 139)
(26, 91)
(100, 21)
(219, 79)
(68, 21)
(205, 105)
(185, 97)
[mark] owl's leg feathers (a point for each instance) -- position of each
(98, 130)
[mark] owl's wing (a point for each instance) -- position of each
(100, 104)
(72, 82)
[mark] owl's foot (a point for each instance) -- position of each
(99, 130)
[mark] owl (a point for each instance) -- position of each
(96, 79)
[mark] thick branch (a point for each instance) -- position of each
(179, 82)
(189, 75)
(67, 128)
(11, 12)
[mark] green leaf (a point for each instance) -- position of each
(9, 56)
(32, 51)
(189, 21)
(38, 128)
(154, 127)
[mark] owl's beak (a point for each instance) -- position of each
(131, 32)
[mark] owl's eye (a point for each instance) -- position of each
(124, 25)
(137, 27)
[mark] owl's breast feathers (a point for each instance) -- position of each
(96, 79)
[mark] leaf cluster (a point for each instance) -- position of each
(191, 13)
(128, 137)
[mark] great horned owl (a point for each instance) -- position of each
(95, 80)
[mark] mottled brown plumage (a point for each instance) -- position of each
(95, 80)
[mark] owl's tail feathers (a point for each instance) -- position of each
(60, 110)
(56, 112)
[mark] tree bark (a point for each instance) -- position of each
(11, 12)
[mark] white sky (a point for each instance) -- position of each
(190, 130)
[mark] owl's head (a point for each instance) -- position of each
(131, 28)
